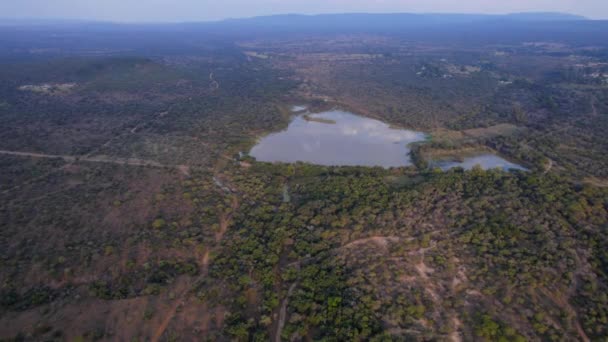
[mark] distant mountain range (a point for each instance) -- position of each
(343, 18)
(400, 18)
(388, 21)
(17, 36)
(545, 16)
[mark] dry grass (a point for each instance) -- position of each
(456, 153)
(447, 135)
(602, 183)
(492, 131)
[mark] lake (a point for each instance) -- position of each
(338, 138)
(485, 161)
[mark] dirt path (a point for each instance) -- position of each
(594, 111)
(423, 272)
(32, 180)
(183, 288)
(165, 323)
(134, 129)
(226, 219)
(380, 241)
(99, 159)
(283, 313)
(548, 167)
(184, 169)
(565, 305)
(205, 263)
(141, 124)
(37, 155)
(170, 307)
(601, 183)
(455, 334)
(214, 85)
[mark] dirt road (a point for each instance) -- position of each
(283, 313)
(97, 159)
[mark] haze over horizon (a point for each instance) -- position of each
(207, 10)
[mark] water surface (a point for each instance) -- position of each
(298, 108)
(485, 161)
(342, 139)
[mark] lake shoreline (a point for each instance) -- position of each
(338, 138)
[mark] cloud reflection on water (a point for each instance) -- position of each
(352, 140)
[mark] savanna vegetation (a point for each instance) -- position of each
(130, 210)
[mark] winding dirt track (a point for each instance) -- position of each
(100, 159)
(214, 85)
(283, 313)
(225, 220)
(594, 111)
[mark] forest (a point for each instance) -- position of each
(131, 210)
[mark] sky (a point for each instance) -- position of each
(204, 10)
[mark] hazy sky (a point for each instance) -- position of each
(193, 10)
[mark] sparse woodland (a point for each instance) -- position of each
(137, 218)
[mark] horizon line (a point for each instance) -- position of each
(159, 22)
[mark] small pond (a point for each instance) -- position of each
(485, 161)
(338, 138)
(298, 108)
